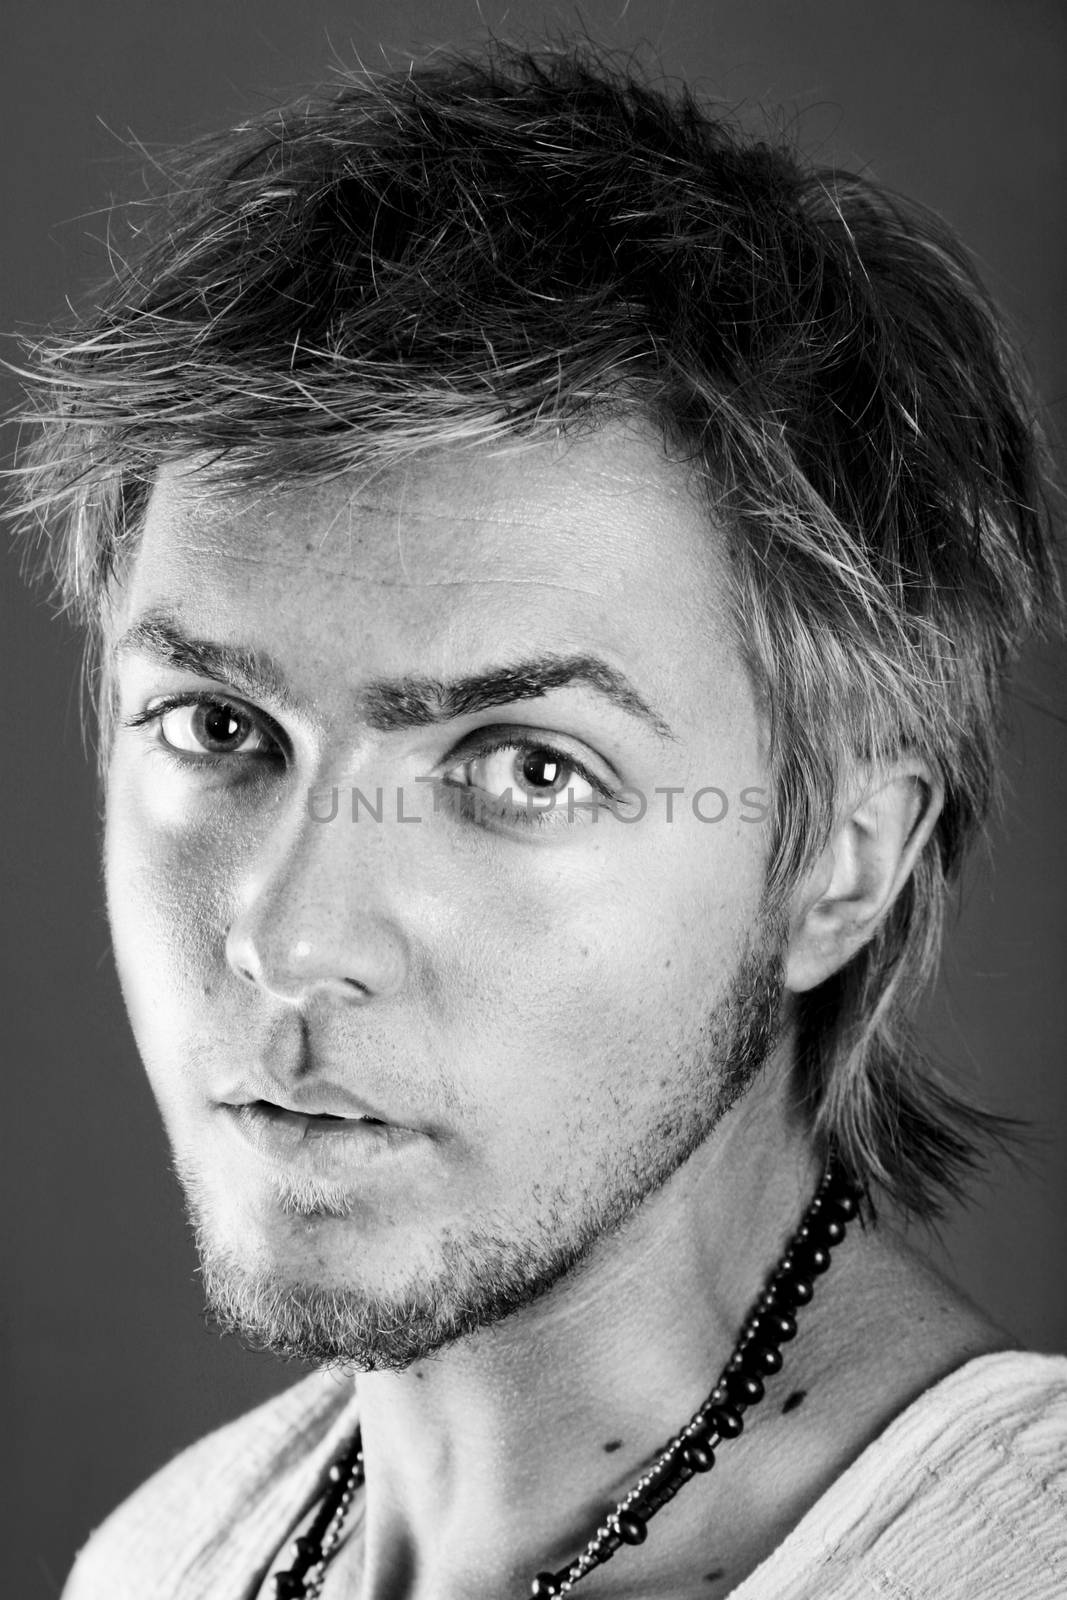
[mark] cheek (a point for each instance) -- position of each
(166, 895)
(588, 993)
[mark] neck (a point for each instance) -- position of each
(497, 1458)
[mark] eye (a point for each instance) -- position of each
(205, 726)
(535, 774)
(211, 727)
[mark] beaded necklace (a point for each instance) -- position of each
(756, 1356)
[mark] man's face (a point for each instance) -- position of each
(537, 1014)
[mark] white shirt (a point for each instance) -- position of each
(963, 1497)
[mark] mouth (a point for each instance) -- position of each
(318, 1139)
(311, 1123)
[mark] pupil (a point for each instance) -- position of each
(540, 770)
(219, 725)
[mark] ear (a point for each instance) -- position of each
(839, 904)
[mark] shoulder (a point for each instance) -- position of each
(981, 1507)
(963, 1497)
(997, 1427)
(200, 1524)
(1001, 1417)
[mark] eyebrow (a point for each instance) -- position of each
(391, 705)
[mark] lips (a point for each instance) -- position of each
(313, 1122)
(317, 1126)
(319, 1142)
(319, 1099)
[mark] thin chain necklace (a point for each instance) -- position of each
(756, 1356)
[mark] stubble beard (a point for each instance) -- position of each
(481, 1276)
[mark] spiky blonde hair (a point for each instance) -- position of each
(483, 248)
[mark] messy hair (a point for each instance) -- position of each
(488, 249)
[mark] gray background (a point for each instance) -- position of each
(960, 102)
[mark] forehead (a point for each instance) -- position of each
(610, 494)
(599, 541)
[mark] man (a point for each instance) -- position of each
(554, 562)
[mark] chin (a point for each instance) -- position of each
(290, 1278)
(304, 1280)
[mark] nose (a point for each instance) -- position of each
(316, 914)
